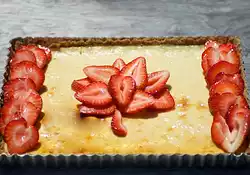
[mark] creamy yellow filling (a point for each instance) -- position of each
(183, 130)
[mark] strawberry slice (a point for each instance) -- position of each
(119, 63)
(163, 101)
(116, 124)
(224, 86)
(89, 110)
(14, 110)
(16, 85)
(100, 73)
(241, 102)
(94, 94)
(141, 100)
(211, 43)
(30, 95)
(47, 52)
(233, 112)
(137, 70)
(41, 57)
(219, 67)
(231, 57)
(211, 56)
(28, 69)
(157, 81)
(79, 85)
(122, 89)
(20, 137)
(227, 47)
(221, 135)
(22, 55)
(235, 78)
(221, 103)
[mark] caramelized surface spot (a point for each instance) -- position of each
(183, 103)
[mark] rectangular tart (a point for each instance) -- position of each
(185, 130)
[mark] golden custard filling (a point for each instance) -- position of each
(186, 129)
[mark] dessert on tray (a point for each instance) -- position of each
(125, 99)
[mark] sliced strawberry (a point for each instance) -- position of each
(221, 135)
(141, 100)
(163, 101)
(88, 110)
(100, 73)
(79, 85)
(137, 70)
(211, 43)
(14, 110)
(241, 102)
(157, 81)
(41, 57)
(119, 63)
(94, 94)
(20, 137)
(2, 125)
(235, 78)
(233, 112)
(219, 67)
(47, 52)
(224, 86)
(227, 47)
(204, 64)
(22, 55)
(28, 69)
(221, 103)
(212, 56)
(116, 124)
(122, 89)
(17, 84)
(30, 95)
(231, 57)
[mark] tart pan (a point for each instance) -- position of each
(120, 160)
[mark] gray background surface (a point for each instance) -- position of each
(86, 18)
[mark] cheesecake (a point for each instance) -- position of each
(58, 114)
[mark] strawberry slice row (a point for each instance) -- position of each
(22, 101)
(122, 89)
(229, 107)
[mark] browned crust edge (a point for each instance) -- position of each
(59, 42)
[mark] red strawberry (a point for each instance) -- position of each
(30, 95)
(226, 47)
(221, 135)
(20, 137)
(233, 112)
(15, 85)
(119, 63)
(137, 70)
(94, 94)
(47, 52)
(28, 69)
(241, 102)
(231, 57)
(88, 110)
(211, 56)
(22, 55)
(122, 89)
(41, 58)
(141, 100)
(100, 73)
(211, 43)
(163, 101)
(221, 103)
(79, 85)
(157, 81)
(116, 124)
(235, 78)
(224, 86)
(14, 110)
(219, 67)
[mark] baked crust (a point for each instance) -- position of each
(56, 43)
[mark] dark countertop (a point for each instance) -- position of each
(105, 18)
